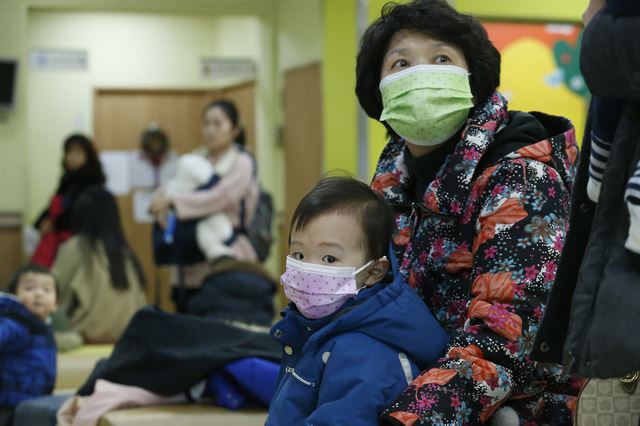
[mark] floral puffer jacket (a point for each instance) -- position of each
(482, 247)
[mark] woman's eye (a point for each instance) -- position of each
(401, 63)
(329, 259)
(297, 255)
(442, 59)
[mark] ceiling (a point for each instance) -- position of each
(190, 7)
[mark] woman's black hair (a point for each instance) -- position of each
(232, 114)
(349, 196)
(26, 269)
(88, 174)
(438, 20)
(96, 218)
(154, 141)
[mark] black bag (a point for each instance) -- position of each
(259, 230)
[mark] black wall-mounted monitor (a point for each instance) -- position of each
(8, 76)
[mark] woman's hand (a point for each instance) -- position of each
(593, 8)
(160, 208)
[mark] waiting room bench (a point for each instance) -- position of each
(183, 415)
(74, 366)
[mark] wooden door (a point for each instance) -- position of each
(10, 246)
(121, 116)
(302, 142)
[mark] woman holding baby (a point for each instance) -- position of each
(234, 194)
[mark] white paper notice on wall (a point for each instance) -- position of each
(141, 202)
(59, 59)
(117, 169)
(145, 175)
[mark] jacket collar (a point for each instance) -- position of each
(447, 194)
(304, 331)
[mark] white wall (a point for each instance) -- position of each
(140, 44)
(125, 50)
(300, 32)
(13, 17)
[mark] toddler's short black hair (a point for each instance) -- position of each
(29, 268)
(438, 20)
(350, 196)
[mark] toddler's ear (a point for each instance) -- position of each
(377, 271)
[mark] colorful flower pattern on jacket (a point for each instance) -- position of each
(482, 248)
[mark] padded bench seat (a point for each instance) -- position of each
(42, 412)
(74, 366)
(183, 415)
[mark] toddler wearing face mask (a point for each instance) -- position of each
(355, 333)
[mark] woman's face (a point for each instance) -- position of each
(74, 158)
(408, 48)
(218, 131)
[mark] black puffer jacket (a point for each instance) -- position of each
(592, 321)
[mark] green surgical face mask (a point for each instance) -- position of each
(426, 104)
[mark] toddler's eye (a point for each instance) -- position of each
(329, 259)
(401, 63)
(297, 255)
(442, 59)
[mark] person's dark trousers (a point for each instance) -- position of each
(181, 297)
(39, 411)
(6, 416)
(185, 348)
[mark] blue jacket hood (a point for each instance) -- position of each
(10, 306)
(391, 313)
(28, 356)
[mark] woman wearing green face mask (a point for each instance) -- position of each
(482, 198)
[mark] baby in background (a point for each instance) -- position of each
(27, 347)
(354, 335)
(194, 172)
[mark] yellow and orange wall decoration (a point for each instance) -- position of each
(540, 68)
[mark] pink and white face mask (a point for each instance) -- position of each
(319, 290)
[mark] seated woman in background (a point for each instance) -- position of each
(235, 195)
(81, 169)
(101, 280)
